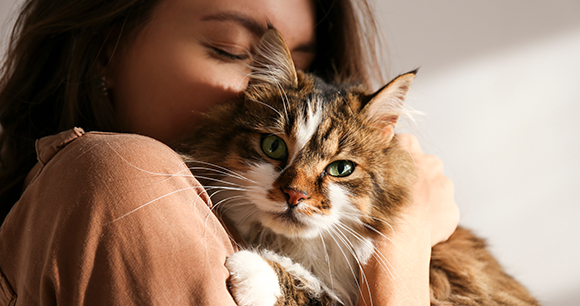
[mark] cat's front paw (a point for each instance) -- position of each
(252, 282)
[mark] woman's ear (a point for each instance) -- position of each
(272, 61)
(386, 105)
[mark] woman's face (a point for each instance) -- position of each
(192, 54)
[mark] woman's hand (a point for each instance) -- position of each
(398, 274)
(433, 207)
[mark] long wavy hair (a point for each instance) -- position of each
(50, 80)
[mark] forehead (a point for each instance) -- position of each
(295, 19)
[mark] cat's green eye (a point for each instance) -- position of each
(340, 168)
(274, 147)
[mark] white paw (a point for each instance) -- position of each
(252, 280)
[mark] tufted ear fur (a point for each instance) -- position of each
(272, 62)
(387, 104)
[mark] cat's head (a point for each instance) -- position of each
(299, 156)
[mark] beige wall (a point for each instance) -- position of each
(499, 88)
(6, 8)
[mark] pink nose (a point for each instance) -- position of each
(294, 196)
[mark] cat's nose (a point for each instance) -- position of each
(294, 196)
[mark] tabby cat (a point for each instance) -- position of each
(309, 174)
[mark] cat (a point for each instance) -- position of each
(310, 174)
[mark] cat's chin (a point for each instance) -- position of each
(289, 226)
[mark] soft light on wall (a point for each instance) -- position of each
(499, 88)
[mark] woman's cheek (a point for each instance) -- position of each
(195, 95)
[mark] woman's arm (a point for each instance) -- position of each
(430, 219)
(115, 219)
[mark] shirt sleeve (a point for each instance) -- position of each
(115, 219)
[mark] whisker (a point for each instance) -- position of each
(386, 265)
(334, 230)
(351, 231)
(272, 108)
(220, 203)
(234, 173)
(234, 187)
(358, 216)
(153, 201)
(210, 170)
(327, 258)
(225, 200)
(219, 181)
(385, 236)
(350, 246)
(383, 260)
(284, 101)
(168, 175)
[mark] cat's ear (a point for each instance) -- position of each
(272, 61)
(385, 106)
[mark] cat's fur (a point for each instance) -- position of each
(307, 230)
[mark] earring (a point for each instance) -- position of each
(104, 88)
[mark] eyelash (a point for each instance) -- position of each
(235, 57)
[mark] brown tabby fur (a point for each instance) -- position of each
(463, 272)
(226, 144)
(292, 287)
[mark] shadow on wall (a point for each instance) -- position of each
(440, 33)
(7, 18)
(571, 298)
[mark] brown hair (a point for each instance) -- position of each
(51, 78)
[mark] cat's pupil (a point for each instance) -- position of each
(274, 146)
(341, 167)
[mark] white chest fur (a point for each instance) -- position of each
(334, 258)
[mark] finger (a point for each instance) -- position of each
(434, 163)
(410, 142)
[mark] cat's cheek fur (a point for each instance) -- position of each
(340, 201)
(252, 282)
(263, 175)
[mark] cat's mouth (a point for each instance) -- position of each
(286, 223)
(289, 217)
(294, 223)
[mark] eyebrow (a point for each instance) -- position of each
(246, 21)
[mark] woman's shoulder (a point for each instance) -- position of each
(104, 151)
(121, 171)
(102, 144)
(95, 159)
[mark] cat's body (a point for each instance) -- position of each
(310, 174)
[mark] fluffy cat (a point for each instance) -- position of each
(310, 174)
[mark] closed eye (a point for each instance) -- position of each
(231, 56)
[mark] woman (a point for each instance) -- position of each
(100, 221)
